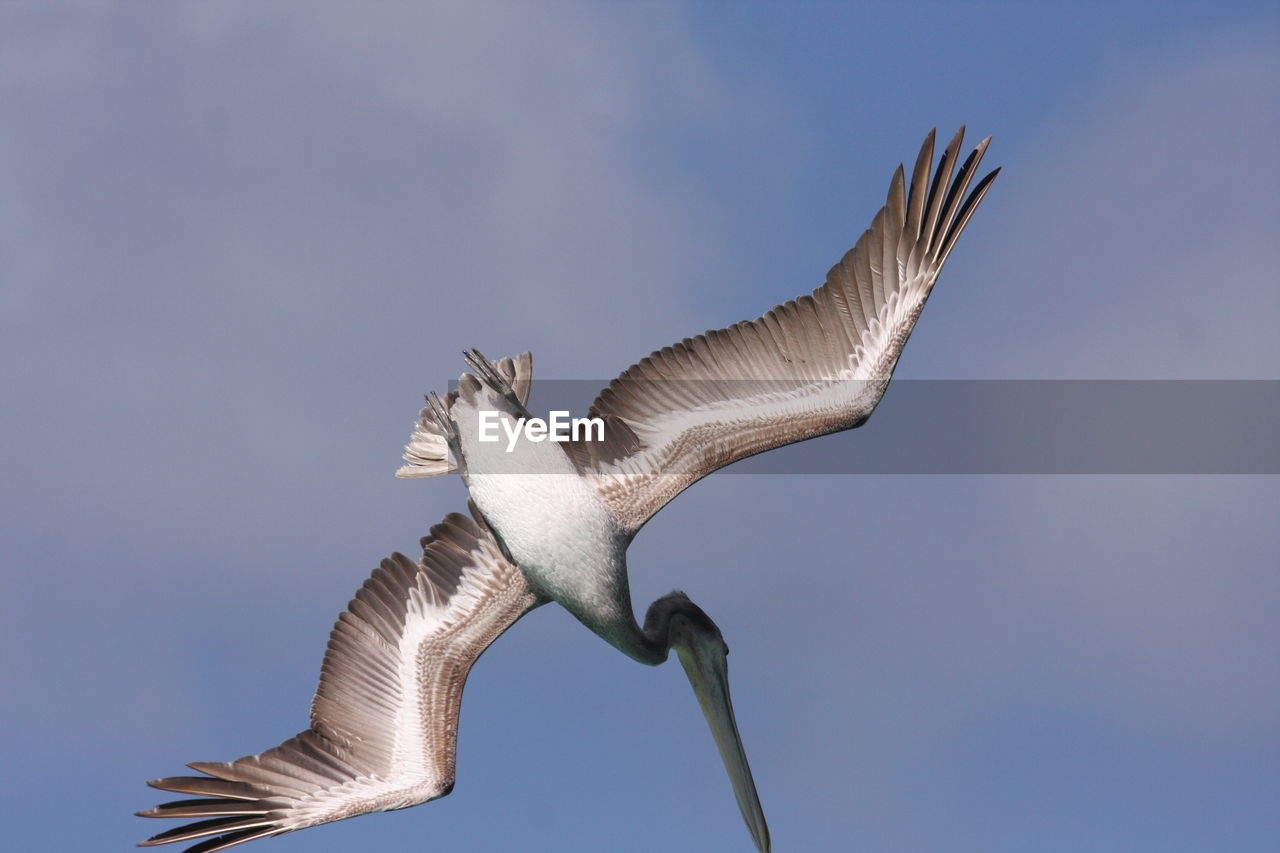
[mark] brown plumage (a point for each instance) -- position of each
(815, 365)
(384, 722)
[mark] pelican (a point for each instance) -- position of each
(551, 520)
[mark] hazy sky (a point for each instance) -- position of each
(239, 241)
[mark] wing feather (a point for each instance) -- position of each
(384, 720)
(811, 366)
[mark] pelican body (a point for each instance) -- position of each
(551, 521)
(555, 527)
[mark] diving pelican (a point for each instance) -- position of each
(551, 521)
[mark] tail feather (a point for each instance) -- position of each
(427, 454)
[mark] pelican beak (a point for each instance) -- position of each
(705, 661)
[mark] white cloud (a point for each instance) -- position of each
(244, 240)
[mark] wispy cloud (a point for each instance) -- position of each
(225, 222)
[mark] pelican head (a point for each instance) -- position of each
(679, 624)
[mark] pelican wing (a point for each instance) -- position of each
(811, 366)
(384, 721)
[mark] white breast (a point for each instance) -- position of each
(551, 520)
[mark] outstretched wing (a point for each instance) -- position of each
(384, 721)
(815, 365)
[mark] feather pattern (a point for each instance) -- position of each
(815, 365)
(427, 454)
(384, 720)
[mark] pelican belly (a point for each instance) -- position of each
(550, 519)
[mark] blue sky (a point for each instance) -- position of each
(240, 240)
